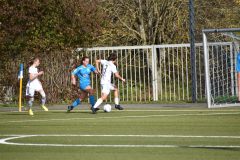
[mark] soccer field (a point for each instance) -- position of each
(144, 132)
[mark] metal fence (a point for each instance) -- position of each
(134, 64)
(156, 72)
(173, 72)
(152, 73)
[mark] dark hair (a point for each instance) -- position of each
(84, 58)
(112, 57)
(32, 61)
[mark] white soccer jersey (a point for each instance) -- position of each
(107, 70)
(34, 84)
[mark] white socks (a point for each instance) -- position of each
(116, 100)
(43, 97)
(98, 103)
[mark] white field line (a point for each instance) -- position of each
(116, 117)
(150, 110)
(117, 135)
(137, 110)
(5, 141)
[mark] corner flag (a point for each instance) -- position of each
(20, 76)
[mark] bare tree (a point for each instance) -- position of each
(147, 21)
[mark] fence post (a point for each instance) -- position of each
(154, 73)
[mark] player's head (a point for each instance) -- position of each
(35, 61)
(112, 57)
(85, 60)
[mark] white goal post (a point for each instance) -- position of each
(220, 67)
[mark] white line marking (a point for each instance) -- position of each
(210, 111)
(138, 110)
(116, 117)
(4, 141)
(152, 110)
(117, 135)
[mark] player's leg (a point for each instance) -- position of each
(105, 93)
(30, 104)
(103, 97)
(38, 87)
(238, 86)
(30, 98)
(82, 96)
(116, 97)
(43, 99)
(91, 92)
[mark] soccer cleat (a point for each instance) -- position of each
(30, 112)
(44, 108)
(69, 108)
(94, 110)
(118, 107)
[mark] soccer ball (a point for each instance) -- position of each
(107, 108)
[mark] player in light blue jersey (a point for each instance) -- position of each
(83, 73)
(238, 74)
(238, 63)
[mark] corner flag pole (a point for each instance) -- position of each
(20, 77)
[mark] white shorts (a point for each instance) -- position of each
(31, 88)
(106, 88)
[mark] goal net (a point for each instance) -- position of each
(221, 52)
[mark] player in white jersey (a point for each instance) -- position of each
(35, 85)
(108, 67)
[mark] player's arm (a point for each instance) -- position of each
(97, 72)
(73, 79)
(119, 77)
(33, 76)
(93, 69)
(98, 61)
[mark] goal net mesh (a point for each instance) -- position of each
(223, 49)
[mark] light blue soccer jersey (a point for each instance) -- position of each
(83, 74)
(238, 63)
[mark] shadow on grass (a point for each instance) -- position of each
(213, 148)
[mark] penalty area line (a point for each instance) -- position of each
(5, 141)
(134, 110)
(117, 117)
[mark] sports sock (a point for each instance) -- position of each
(76, 102)
(30, 102)
(92, 100)
(116, 100)
(98, 103)
(43, 100)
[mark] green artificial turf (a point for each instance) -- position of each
(123, 128)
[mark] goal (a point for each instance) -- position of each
(221, 76)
